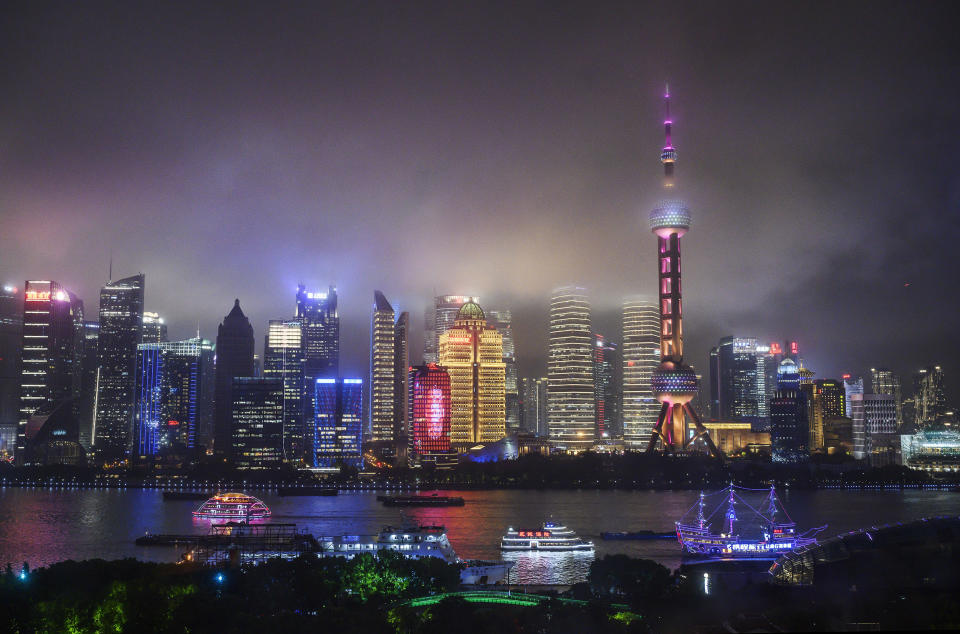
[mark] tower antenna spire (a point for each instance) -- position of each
(668, 155)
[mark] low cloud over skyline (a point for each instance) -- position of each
(498, 149)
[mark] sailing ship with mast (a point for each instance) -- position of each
(699, 540)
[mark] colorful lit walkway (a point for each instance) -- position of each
(503, 598)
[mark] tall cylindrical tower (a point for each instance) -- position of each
(674, 383)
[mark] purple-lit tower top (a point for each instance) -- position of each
(668, 156)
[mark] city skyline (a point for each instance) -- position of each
(262, 178)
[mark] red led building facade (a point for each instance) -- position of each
(430, 389)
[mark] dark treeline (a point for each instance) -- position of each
(368, 594)
(532, 471)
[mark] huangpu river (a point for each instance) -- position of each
(42, 526)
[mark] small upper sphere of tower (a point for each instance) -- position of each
(470, 310)
(670, 216)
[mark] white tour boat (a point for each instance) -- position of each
(550, 537)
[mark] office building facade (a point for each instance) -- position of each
(174, 396)
(606, 396)
(258, 417)
(320, 337)
(382, 372)
(338, 423)
(471, 351)
(401, 377)
(570, 390)
(431, 406)
(502, 320)
(52, 349)
(533, 406)
(283, 359)
(11, 335)
(789, 417)
(121, 331)
(640, 356)
(235, 346)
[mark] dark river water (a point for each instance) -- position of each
(45, 526)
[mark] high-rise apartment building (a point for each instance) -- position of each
(257, 415)
(471, 351)
(430, 385)
(570, 370)
(235, 345)
(533, 406)
(52, 349)
(502, 320)
(401, 376)
(382, 372)
(283, 359)
(640, 354)
(11, 334)
(606, 396)
(320, 338)
(174, 396)
(338, 426)
(154, 328)
(121, 330)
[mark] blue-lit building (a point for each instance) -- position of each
(174, 396)
(338, 422)
(319, 341)
(789, 417)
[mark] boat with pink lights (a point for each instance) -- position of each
(232, 506)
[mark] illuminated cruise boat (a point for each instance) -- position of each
(699, 540)
(550, 537)
(416, 542)
(232, 506)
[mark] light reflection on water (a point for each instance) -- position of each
(549, 567)
(43, 526)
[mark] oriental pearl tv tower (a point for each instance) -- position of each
(674, 383)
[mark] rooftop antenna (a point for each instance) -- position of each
(110, 270)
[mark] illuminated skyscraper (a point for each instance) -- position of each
(641, 356)
(121, 330)
(740, 384)
(283, 359)
(89, 371)
(440, 318)
(502, 320)
(471, 351)
(382, 370)
(11, 334)
(52, 347)
(606, 396)
(338, 433)
(257, 414)
(570, 389)
(234, 359)
(930, 400)
(674, 383)
(154, 330)
(431, 409)
(533, 405)
(789, 417)
(320, 338)
(850, 386)
(401, 376)
(171, 382)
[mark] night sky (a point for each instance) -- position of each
(500, 150)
